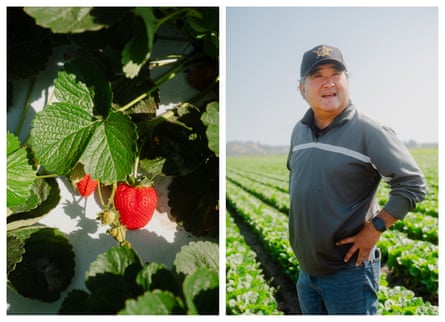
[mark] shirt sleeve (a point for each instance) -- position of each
(398, 168)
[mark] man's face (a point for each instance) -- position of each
(326, 90)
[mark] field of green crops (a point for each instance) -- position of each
(257, 195)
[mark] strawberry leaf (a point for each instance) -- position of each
(20, 173)
(45, 196)
(65, 133)
(68, 90)
(39, 192)
(135, 53)
(156, 276)
(201, 291)
(111, 151)
(153, 303)
(15, 250)
(116, 260)
(210, 118)
(196, 255)
(65, 19)
(60, 134)
(89, 73)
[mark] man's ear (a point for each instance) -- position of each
(301, 86)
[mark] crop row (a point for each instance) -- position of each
(273, 197)
(269, 181)
(272, 169)
(416, 225)
(413, 261)
(269, 224)
(407, 267)
(247, 290)
(398, 300)
(428, 207)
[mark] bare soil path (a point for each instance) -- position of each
(286, 293)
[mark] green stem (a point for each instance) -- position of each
(26, 109)
(46, 176)
(111, 200)
(166, 18)
(136, 164)
(99, 192)
(168, 75)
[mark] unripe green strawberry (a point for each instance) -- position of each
(135, 204)
(107, 217)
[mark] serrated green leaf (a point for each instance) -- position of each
(196, 255)
(65, 19)
(152, 168)
(89, 73)
(60, 134)
(153, 303)
(210, 118)
(157, 276)
(13, 143)
(39, 192)
(115, 261)
(201, 291)
(46, 203)
(15, 250)
(20, 174)
(111, 151)
(67, 89)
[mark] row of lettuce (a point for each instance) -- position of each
(248, 291)
(410, 251)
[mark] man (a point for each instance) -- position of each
(336, 160)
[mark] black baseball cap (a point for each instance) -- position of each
(321, 54)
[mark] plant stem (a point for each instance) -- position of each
(166, 18)
(26, 108)
(110, 203)
(168, 75)
(46, 176)
(136, 163)
(99, 192)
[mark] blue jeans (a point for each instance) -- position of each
(349, 291)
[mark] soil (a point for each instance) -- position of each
(286, 294)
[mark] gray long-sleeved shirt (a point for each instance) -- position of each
(334, 175)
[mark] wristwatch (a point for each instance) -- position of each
(379, 224)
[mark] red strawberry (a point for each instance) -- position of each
(136, 205)
(86, 185)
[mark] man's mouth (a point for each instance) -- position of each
(329, 94)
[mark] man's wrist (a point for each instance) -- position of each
(379, 224)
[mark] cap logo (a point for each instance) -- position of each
(322, 51)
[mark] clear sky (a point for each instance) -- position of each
(390, 52)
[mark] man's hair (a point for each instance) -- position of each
(301, 81)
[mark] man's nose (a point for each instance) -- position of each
(328, 82)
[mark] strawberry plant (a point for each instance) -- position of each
(101, 128)
(133, 287)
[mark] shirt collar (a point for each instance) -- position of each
(343, 117)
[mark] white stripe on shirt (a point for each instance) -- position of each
(333, 148)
